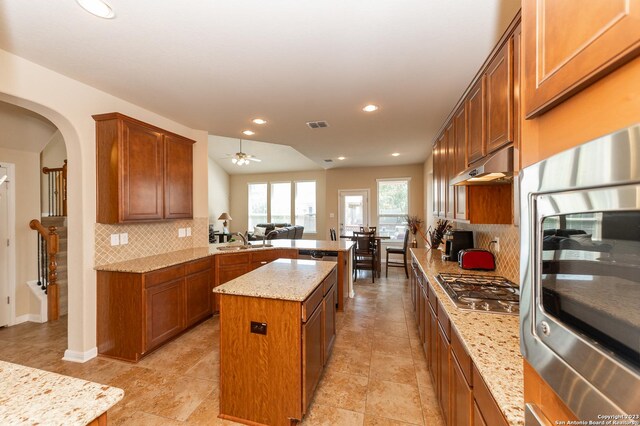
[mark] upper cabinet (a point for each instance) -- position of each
(476, 142)
(143, 173)
(565, 54)
(499, 98)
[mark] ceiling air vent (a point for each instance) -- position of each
(317, 124)
(328, 160)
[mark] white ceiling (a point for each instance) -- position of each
(24, 130)
(215, 65)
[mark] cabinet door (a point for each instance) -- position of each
(436, 180)
(422, 302)
(476, 145)
(499, 98)
(460, 160)
(477, 416)
(442, 170)
(227, 273)
(197, 293)
(329, 320)
(461, 396)
(142, 172)
(178, 178)
(432, 359)
(450, 166)
(444, 375)
(164, 312)
(569, 46)
(312, 358)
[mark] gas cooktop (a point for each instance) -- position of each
(485, 293)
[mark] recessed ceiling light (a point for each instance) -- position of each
(340, 158)
(370, 108)
(249, 132)
(395, 154)
(259, 121)
(98, 8)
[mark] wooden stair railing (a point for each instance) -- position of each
(57, 189)
(50, 237)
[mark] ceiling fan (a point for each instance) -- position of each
(240, 158)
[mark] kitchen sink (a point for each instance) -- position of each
(250, 246)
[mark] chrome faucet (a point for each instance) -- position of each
(244, 237)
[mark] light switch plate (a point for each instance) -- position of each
(124, 238)
(181, 233)
(189, 232)
(115, 239)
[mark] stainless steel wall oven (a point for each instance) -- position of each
(580, 274)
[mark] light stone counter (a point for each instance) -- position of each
(159, 261)
(283, 279)
(492, 340)
(32, 396)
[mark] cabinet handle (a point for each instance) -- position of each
(264, 262)
(533, 416)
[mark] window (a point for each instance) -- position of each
(257, 204)
(281, 202)
(278, 196)
(393, 207)
(305, 205)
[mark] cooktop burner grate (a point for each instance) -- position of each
(488, 293)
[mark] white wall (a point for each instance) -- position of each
(69, 105)
(219, 195)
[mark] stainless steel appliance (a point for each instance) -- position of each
(454, 241)
(324, 255)
(580, 274)
(486, 293)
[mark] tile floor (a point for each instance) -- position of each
(376, 375)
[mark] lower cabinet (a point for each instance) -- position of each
(138, 312)
(312, 356)
(329, 319)
(463, 396)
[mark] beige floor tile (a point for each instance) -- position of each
(208, 368)
(342, 390)
(140, 418)
(393, 328)
(381, 421)
(351, 361)
(397, 401)
(392, 368)
(391, 345)
(324, 415)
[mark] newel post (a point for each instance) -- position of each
(52, 288)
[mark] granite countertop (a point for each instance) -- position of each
(283, 279)
(32, 396)
(492, 340)
(159, 261)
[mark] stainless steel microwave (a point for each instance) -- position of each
(580, 274)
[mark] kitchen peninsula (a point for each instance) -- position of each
(277, 328)
(143, 303)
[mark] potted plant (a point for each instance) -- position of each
(414, 223)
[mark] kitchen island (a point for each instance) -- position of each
(475, 357)
(32, 396)
(277, 328)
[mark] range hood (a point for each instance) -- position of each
(496, 168)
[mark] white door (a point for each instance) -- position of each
(354, 210)
(4, 252)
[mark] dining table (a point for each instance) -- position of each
(378, 241)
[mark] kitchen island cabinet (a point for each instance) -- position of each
(277, 326)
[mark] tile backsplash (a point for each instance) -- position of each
(148, 239)
(508, 259)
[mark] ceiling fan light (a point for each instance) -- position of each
(234, 160)
(97, 8)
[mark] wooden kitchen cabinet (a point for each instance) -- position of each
(443, 374)
(487, 407)
(440, 175)
(143, 173)
(198, 291)
(499, 98)
(460, 160)
(329, 304)
(312, 355)
(476, 142)
(559, 63)
(449, 147)
(461, 396)
(164, 312)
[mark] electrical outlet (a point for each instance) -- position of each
(181, 233)
(496, 244)
(124, 238)
(188, 231)
(115, 239)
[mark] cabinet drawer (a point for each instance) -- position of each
(433, 299)
(163, 275)
(443, 319)
(329, 281)
(234, 259)
(312, 302)
(486, 404)
(197, 266)
(266, 255)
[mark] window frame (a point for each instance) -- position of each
(295, 191)
(406, 179)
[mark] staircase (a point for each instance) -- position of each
(61, 223)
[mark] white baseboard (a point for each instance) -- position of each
(28, 318)
(75, 356)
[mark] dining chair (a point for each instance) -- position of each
(332, 234)
(399, 250)
(365, 253)
(370, 229)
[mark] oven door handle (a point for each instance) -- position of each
(533, 416)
